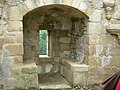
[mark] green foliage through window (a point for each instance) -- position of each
(43, 42)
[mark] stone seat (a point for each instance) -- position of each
(73, 71)
(74, 66)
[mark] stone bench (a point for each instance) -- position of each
(74, 72)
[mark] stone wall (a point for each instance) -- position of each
(64, 36)
(103, 46)
(102, 37)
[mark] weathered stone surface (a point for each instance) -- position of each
(114, 28)
(27, 81)
(21, 82)
(8, 62)
(15, 26)
(40, 3)
(18, 59)
(99, 47)
(65, 54)
(10, 83)
(16, 71)
(48, 68)
(33, 81)
(116, 15)
(74, 72)
(1, 83)
(6, 68)
(96, 16)
(0, 12)
(79, 79)
(48, 2)
(30, 4)
(66, 73)
(114, 62)
(56, 59)
(1, 43)
(109, 2)
(29, 69)
(2, 3)
(106, 39)
(15, 13)
(94, 39)
(114, 50)
(94, 61)
(0, 56)
(97, 4)
(68, 2)
(40, 69)
(23, 8)
(13, 50)
(83, 6)
(92, 50)
(101, 39)
(9, 39)
(109, 8)
(19, 37)
(64, 40)
(1, 31)
(64, 47)
(13, 2)
(75, 66)
(96, 28)
(76, 3)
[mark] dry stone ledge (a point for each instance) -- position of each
(29, 69)
(75, 66)
(114, 29)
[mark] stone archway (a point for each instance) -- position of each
(18, 71)
(67, 27)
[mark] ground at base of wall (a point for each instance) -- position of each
(90, 87)
(53, 81)
(58, 82)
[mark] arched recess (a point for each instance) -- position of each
(67, 27)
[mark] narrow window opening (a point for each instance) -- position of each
(43, 43)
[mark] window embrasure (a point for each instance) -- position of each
(44, 43)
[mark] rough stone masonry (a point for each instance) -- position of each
(86, 31)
